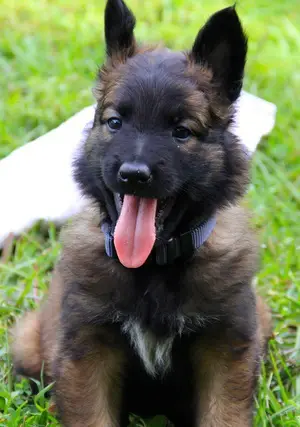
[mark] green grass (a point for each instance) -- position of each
(49, 53)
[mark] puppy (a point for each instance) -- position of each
(151, 308)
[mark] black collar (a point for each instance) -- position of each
(166, 253)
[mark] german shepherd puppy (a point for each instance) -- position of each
(155, 314)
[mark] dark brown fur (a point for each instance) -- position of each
(205, 303)
(226, 364)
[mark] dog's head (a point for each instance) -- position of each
(159, 156)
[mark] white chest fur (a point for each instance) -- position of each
(156, 354)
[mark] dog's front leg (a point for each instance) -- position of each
(226, 388)
(88, 380)
(226, 371)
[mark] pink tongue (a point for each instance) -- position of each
(134, 234)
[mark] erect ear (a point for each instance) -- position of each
(222, 46)
(119, 26)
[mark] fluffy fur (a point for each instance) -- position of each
(185, 339)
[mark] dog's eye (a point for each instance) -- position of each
(181, 133)
(114, 123)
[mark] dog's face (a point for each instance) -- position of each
(159, 154)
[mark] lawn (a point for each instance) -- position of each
(49, 54)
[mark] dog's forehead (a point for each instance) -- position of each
(161, 56)
(158, 74)
(155, 64)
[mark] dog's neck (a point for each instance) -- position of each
(178, 246)
(183, 232)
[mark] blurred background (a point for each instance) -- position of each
(49, 54)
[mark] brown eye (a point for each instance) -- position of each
(181, 133)
(114, 124)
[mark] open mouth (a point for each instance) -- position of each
(140, 222)
(163, 209)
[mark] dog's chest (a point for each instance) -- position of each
(154, 351)
(155, 317)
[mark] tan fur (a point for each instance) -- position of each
(231, 241)
(228, 369)
(228, 376)
(81, 333)
(96, 378)
(50, 326)
(34, 337)
(204, 76)
(265, 329)
(225, 398)
(111, 73)
(26, 336)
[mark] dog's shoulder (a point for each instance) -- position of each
(231, 253)
(83, 230)
(234, 232)
(83, 257)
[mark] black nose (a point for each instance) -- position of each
(134, 173)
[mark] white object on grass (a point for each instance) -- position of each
(36, 179)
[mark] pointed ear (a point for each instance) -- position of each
(222, 46)
(119, 26)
